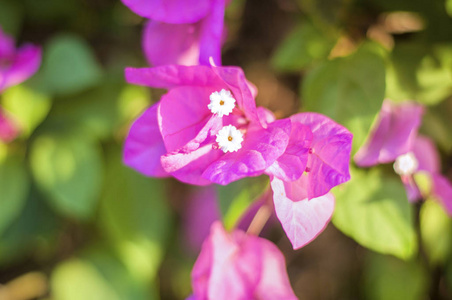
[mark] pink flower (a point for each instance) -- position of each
(16, 65)
(316, 159)
(395, 139)
(238, 266)
(185, 32)
(187, 134)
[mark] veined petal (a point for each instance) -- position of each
(170, 11)
(291, 165)
(260, 149)
(393, 134)
(171, 76)
(144, 145)
(212, 33)
(240, 267)
(166, 44)
(328, 164)
(188, 167)
(183, 116)
(302, 219)
(235, 80)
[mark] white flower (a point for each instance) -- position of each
(229, 139)
(406, 164)
(221, 103)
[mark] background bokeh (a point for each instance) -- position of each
(77, 224)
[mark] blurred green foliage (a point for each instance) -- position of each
(98, 230)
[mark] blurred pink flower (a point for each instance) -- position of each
(184, 32)
(8, 128)
(16, 65)
(238, 266)
(395, 139)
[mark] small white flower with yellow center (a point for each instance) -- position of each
(406, 164)
(221, 103)
(229, 139)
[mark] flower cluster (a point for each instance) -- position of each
(16, 65)
(395, 139)
(208, 130)
(305, 155)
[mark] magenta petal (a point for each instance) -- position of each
(442, 190)
(144, 145)
(392, 135)
(23, 65)
(260, 148)
(166, 44)
(235, 80)
(183, 115)
(302, 219)
(225, 268)
(412, 191)
(274, 282)
(239, 267)
(212, 34)
(173, 76)
(188, 167)
(328, 165)
(265, 115)
(170, 11)
(291, 165)
(426, 154)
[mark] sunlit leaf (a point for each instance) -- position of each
(350, 90)
(436, 232)
(373, 209)
(69, 170)
(69, 66)
(236, 198)
(387, 278)
(135, 216)
(304, 45)
(28, 107)
(97, 276)
(14, 188)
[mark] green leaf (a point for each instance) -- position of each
(69, 66)
(349, 90)
(69, 170)
(304, 45)
(11, 16)
(104, 111)
(28, 107)
(14, 187)
(437, 124)
(32, 233)
(372, 208)
(236, 198)
(388, 278)
(98, 275)
(436, 232)
(135, 216)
